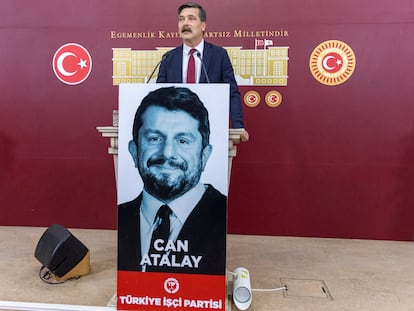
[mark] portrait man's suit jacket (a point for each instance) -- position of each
(205, 230)
(219, 70)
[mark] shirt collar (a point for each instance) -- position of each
(181, 207)
(199, 48)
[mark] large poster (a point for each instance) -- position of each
(172, 196)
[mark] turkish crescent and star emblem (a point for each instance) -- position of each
(332, 62)
(252, 98)
(72, 63)
(273, 99)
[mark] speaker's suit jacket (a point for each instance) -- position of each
(205, 230)
(219, 70)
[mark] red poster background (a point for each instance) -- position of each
(203, 292)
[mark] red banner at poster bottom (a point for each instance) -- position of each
(162, 291)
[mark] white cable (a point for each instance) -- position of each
(268, 289)
(262, 289)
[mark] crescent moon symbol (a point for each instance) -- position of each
(325, 62)
(59, 64)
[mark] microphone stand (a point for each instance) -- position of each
(156, 66)
(203, 67)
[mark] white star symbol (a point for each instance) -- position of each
(82, 63)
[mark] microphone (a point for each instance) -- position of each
(203, 67)
(164, 56)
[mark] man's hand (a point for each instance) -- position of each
(244, 136)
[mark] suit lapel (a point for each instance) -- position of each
(178, 65)
(206, 60)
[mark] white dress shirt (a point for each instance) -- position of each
(186, 56)
(181, 209)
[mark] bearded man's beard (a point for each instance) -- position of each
(162, 186)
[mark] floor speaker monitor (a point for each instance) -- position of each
(62, 254)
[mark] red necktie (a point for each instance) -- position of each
(191, 78)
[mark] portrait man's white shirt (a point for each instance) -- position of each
(181, 208)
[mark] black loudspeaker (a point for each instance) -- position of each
(62, 254)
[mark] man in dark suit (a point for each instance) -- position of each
(212, 63)
(176, 224)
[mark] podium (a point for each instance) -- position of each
(112, 133)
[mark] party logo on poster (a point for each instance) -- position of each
(72, 63)
(332, 62)
(171, 285)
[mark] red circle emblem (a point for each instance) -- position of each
(252, 98)
(273, 99)
(72, 63)
(332, 62)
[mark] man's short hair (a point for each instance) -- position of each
(201, 12)
(175, 99)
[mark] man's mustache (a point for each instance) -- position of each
(186, 29)
(171, 162)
